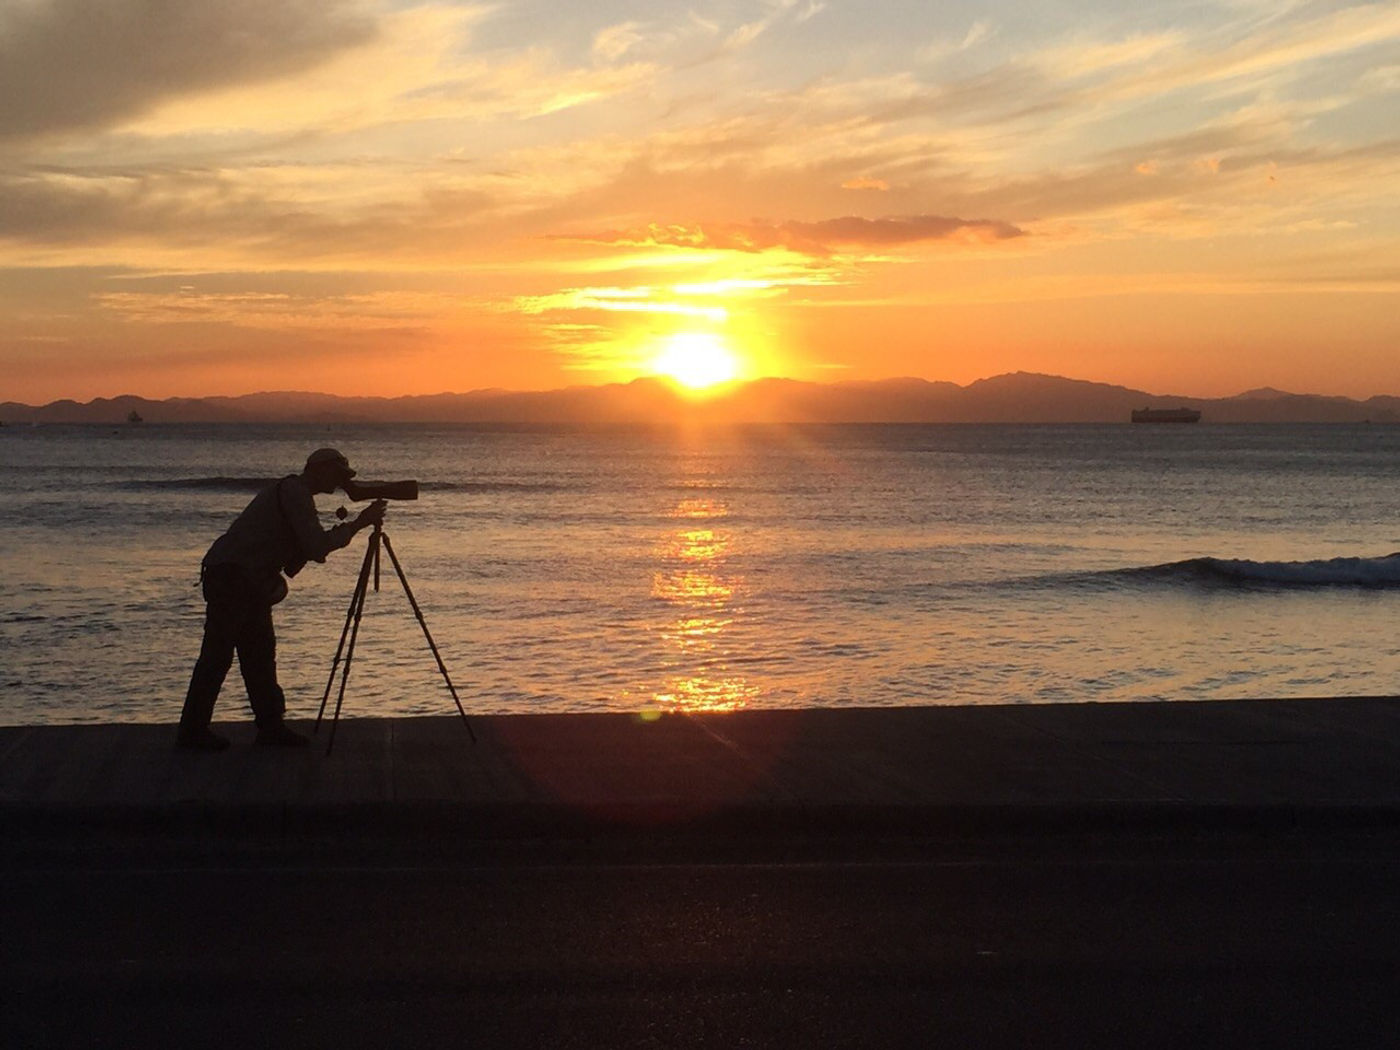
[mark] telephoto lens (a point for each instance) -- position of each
(398, 490)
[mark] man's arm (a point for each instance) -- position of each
(314, 542)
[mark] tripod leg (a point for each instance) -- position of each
(428, 635)
(378, 532)
(356, 598)
(354, 634)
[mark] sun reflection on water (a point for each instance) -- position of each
(696, 630)
(690, 580)
(698, 693)
(691, 587)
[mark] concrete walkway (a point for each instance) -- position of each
(897, 769)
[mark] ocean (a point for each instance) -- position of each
(643, 569)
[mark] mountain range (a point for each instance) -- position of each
(1019, 397)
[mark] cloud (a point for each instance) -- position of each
(65, 208)
(1304, 41)
(71, 64)
(1382, 80)
(1084, 57)
(280, 311)
(1280, 45)
(811, 238)
(426, 72)
(798, 11)
(619, 300)
(976, 33)
(427, 160)
(865, 182)
(939, 49)
(529, 84)
(228, 217)
(1089, 81)
(612, 42)
(1207, 195)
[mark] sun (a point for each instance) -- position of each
(696, 360)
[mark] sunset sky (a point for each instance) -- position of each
(375, 197)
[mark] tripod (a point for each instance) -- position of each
(379, 539)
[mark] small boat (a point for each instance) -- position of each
(134, 417)
(1166, 415)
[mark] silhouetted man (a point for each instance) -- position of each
(241, 577)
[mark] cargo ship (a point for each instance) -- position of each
(1166, 415)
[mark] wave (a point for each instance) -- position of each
(221, 484)
(251, 484)
(494, 486)
(1328, 572)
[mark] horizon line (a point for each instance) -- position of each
(717, 392)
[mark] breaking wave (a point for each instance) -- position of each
(1329, 572)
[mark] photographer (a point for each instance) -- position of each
(241, 577)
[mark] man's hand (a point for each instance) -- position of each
(371, 515)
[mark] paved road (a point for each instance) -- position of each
(1232, 940)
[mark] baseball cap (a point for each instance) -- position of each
(330, 455)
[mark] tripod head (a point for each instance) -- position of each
(342, 514)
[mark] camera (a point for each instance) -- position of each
(397, 490)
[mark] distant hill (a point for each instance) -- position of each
(1020, 397)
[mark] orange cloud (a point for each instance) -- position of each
(810, 238)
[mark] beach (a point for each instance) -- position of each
(903, 768)
(1051, 875)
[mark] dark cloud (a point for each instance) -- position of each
(193, 207)
(812, 238)
(75, 64)
(70, 210)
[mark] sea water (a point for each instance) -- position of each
(642, 569)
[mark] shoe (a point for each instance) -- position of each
(201, 740)
(280, 736)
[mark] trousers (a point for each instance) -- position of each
(237, 619)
